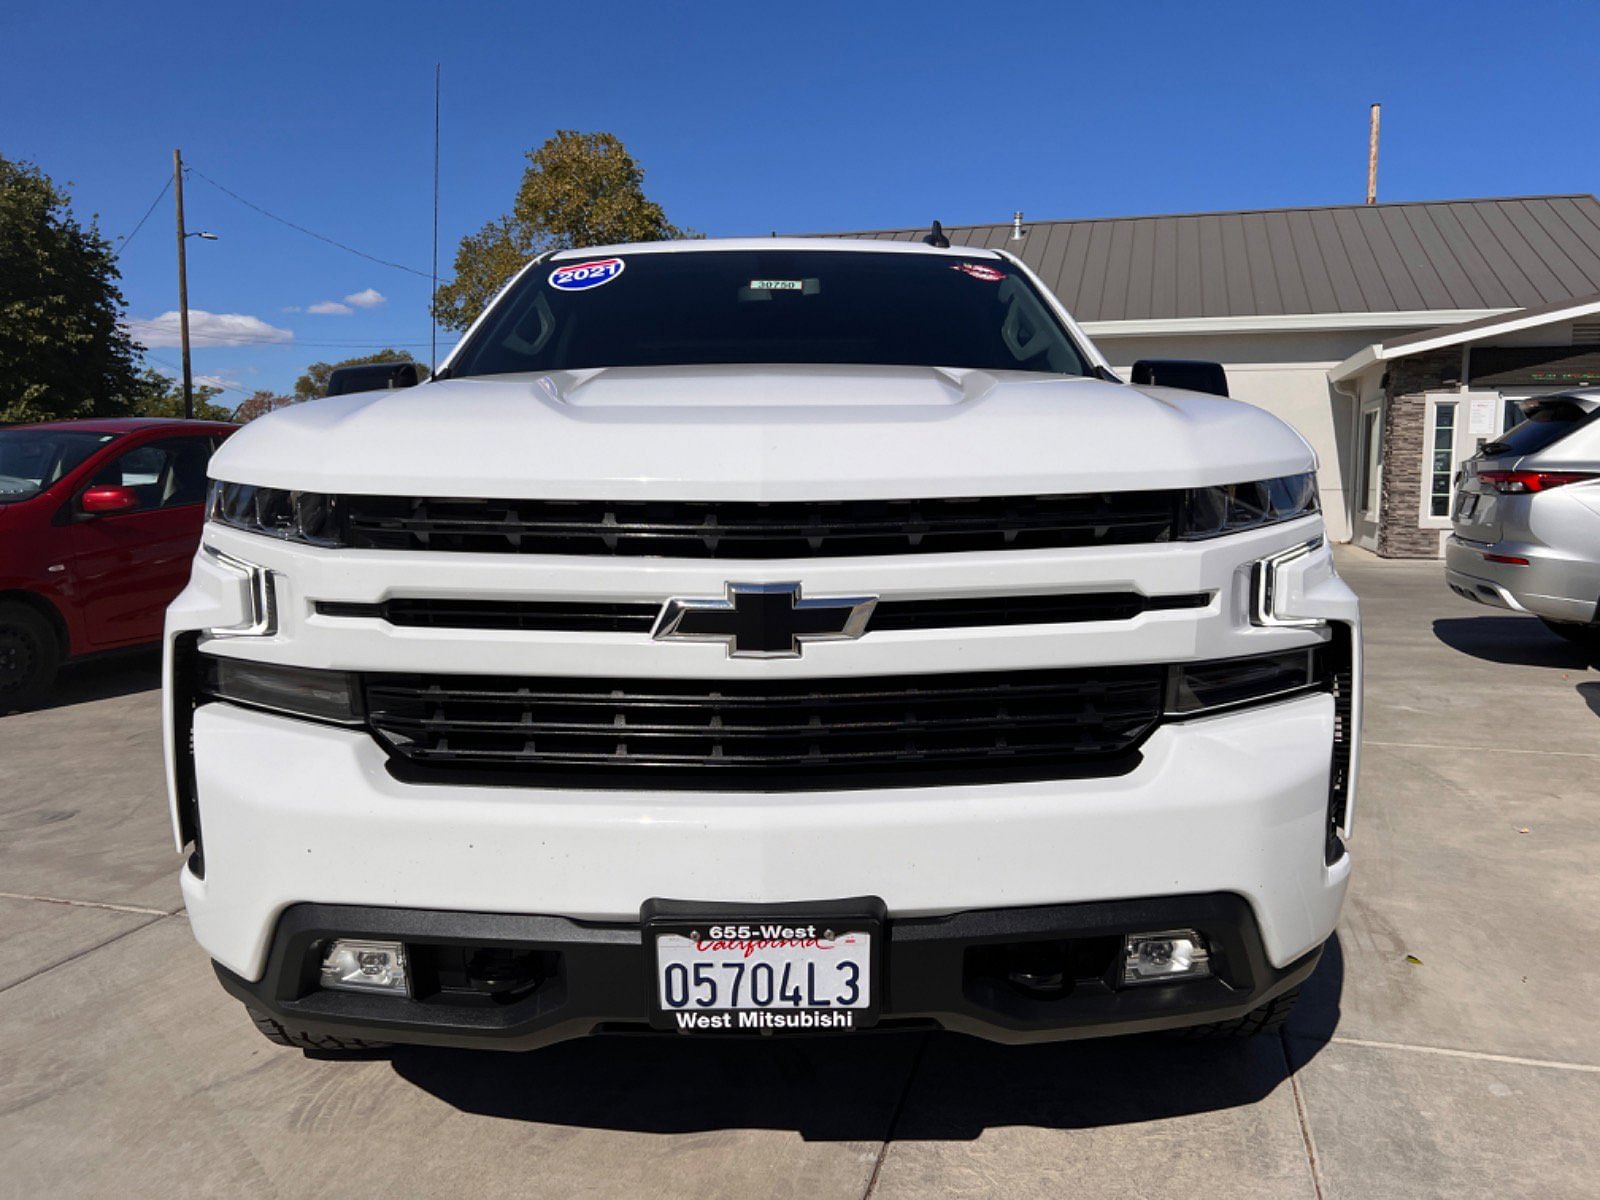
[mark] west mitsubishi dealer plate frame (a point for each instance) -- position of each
(791, 933)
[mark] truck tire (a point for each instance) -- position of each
(1584, 636)
(29, 657)
(1269, 1018)
(282, 1035)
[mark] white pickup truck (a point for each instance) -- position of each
(757, 636)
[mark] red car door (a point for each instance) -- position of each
(128, 566)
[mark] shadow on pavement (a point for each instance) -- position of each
(120, 673)
(913, 1086)
(1591, 696)
(1521, 641)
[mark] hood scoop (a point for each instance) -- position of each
(763, 388)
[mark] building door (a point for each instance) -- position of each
(1369, 473)
(1458, 423)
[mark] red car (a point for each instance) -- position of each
(98, 523)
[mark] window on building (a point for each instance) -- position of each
(1368, 490)
(1442, 458)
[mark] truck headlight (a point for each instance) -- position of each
(309, 517)
(1234, 507)
(294, 691)
(1203, 687)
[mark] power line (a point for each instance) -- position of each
(302, 229)
(239, 339)
(126, 238)
(215, 381)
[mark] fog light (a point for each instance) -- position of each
(1156, 957)
(364, 967)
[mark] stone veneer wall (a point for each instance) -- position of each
(1404, 429)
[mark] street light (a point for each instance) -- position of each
(210, 237)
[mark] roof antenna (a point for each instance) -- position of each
(937, 238)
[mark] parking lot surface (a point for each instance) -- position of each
(1446, 1047)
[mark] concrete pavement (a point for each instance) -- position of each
(1471, 1071)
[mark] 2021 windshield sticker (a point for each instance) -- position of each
(580, 277)
(978, 271)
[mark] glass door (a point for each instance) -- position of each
(1369, 474)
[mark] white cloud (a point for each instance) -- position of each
(217, 381)
(293, 308)
(207, 329)
(329, 308)
(366, 298)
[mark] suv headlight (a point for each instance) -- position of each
(1235, 507)
(310, 517)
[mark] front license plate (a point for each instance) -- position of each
(764, 976)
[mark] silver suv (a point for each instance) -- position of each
(1527, 518)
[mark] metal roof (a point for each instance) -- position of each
(1355, 258)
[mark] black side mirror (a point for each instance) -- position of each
(373, 377)
(1189, 374)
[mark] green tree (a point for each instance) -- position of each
(161, 396)
(63, 350)
(580, 189)
(258, 404)
(313, 385)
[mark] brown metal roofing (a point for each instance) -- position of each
(1427, 255)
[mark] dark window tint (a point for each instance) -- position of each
(165, 474)
(780, 306)
(33, 459)
(1545, 425)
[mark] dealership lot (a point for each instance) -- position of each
(1447, 1046)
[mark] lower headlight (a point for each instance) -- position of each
(295, 691)
(1200, 687)
(351, 966)
(1164, 956)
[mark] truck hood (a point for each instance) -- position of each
(761, 433)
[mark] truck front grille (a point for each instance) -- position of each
(766, 736)
(756, 530)
(610, 616)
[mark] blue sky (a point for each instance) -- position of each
(747, 118)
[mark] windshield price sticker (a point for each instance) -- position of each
(580, 277)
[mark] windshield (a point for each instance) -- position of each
(32, 459)
(779, 306)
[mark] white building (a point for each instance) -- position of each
(1395, 337)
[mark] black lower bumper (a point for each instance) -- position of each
(1009, 975)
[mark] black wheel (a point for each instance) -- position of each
(282, 1035)
(1587, 636)
(29, 656)
(1269, 1018)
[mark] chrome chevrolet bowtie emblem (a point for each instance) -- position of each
(764, 620)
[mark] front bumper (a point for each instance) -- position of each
(294, 812)
(944, 972)
(1556, 587)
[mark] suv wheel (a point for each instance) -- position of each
(1586, 636)
(29, 656)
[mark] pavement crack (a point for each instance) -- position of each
(1477, 1055)
(125, 908)
(894, 1118)
(154, 920)
(1300, 1113)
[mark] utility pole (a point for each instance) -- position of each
(183, 288)
(1372, 156)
